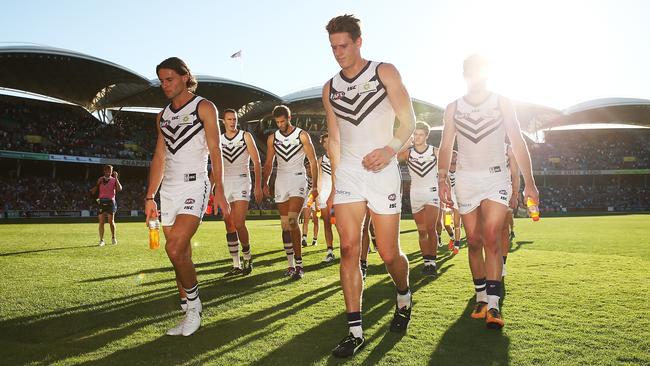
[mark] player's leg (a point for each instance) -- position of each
(232, 239)
(457, 232)
(179, 251)
(511, 222)
(111, 223)
(329, 235)
(365, 245)
(239, 210)
(314, 219)
(294, 207)
(505, 241)
(101, 218)
(492, 216)
(425, 220)
(371, 231)
(387, 232)
(283, 208)
(349, 218)
(306, 216)
(438, 228)
(476, 261)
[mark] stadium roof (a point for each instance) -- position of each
(224, 93)
(607, 110)
(95, 83)
(53, 71)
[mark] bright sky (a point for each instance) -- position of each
(555, 53)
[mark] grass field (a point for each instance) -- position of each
(576, 294)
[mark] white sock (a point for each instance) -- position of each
(482, 296)
(493, 302)
(404, 300)
(356, 331)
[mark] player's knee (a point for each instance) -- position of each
(490, 237)
(284, 223)
(474, 241)
(390, 258)
(292, 219)
(348, 249)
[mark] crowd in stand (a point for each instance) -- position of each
(72, 131)
(593, 150)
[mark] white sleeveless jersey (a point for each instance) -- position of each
(186, 153)
(290, 152)
(481, 136)
(423, 167)
(326, 166)
(236, 160)
(364, 114)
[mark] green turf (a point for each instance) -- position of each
(576, 294)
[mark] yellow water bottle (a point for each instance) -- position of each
(448, 217)
(310, 200)
(533, 210)
(154, 234)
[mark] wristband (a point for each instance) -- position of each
(148, 198)
(395, 144)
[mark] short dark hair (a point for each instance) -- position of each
(422, 126)
(181, 68)
(347, 23)
(229, 110)
(281, 110)
(323, 137)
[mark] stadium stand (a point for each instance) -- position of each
(50, 153)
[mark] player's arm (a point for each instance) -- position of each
(519, 148)
(257, 166)
(334, 139)
(118, 185)
(320, 174)
(208, 114)
(514, 176)
(401, 103)
(313, 163)
(403, 154)
(156, 171)
(268, 164)
(444, 154)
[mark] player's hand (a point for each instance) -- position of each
(220, 201)
(151, 210)
(444, 192)
(314, 194)
(115, 174)
(530, 191)
(377, 159)
(259, 195)
(514, 200)
(267, 191)
(330, 199)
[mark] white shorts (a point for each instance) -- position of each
(185, 198)
(323, 195)
(381, 190)
(237, 188)
(290, 185)
(472, 188)
(422, 196)
(453, 197)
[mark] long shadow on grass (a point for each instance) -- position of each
(469, 342)
(321, 339)
(518, 245)
(230, 333)
(45, 250)
(76, 331)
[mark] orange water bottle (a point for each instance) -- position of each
(533, 210)
(332, 217)
(154, 234)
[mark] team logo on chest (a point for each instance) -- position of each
(287, 147)
(421, 165)
(178, 129)
(478, 123)
(233, 149)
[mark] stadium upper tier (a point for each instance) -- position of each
(94, 83)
